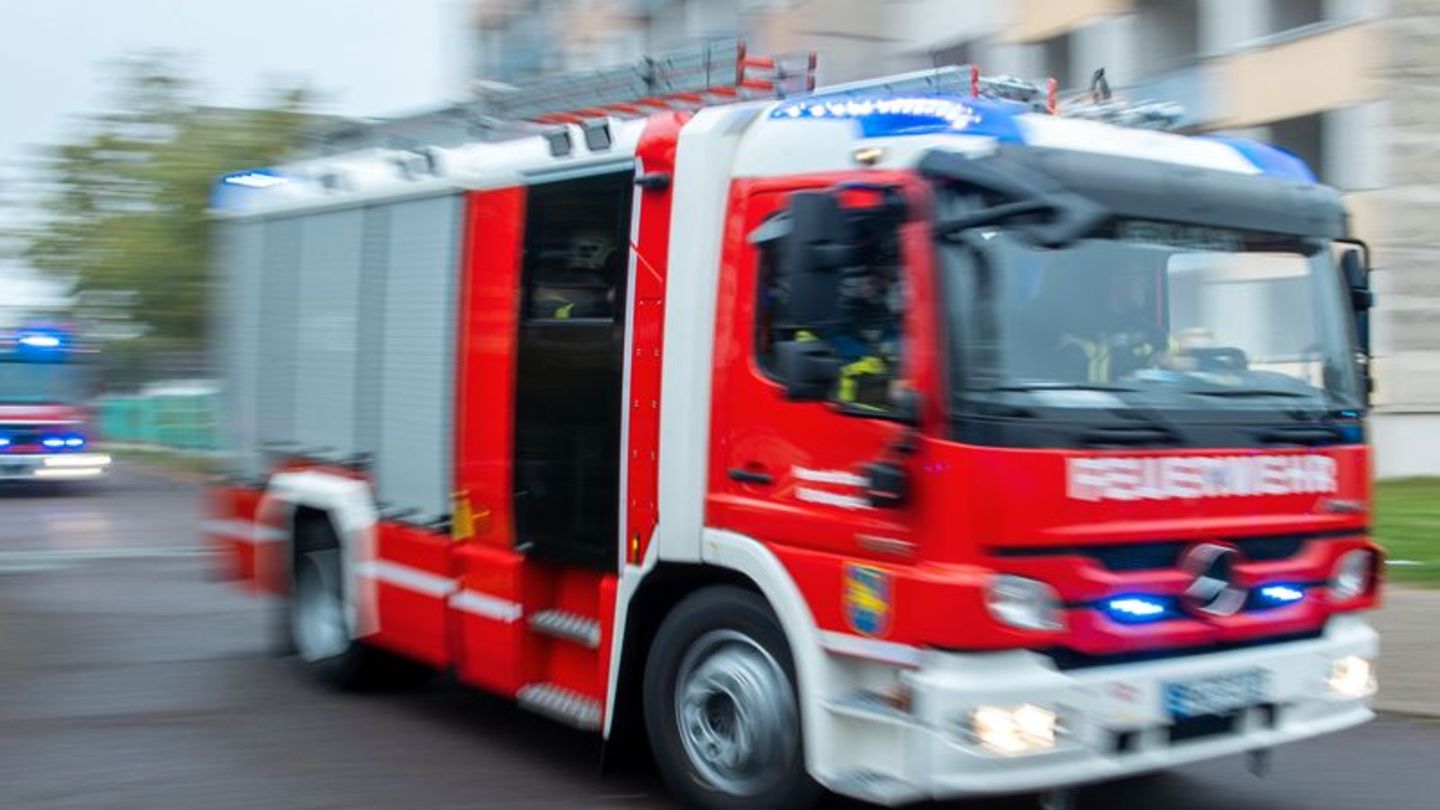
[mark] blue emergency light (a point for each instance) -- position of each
(41, 344)
(40, 341)
(1279, 594)
(910, 115)
(1139, 608)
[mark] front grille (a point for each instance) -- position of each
(21, 435)
(1153, 555)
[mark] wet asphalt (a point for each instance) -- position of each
(130, 679)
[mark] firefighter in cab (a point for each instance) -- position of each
(868, 341)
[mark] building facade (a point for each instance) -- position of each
(1348, 85)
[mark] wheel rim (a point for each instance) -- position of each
(736, 713)
(319, 614)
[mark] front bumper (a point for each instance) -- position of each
(53, 466)
(1114, 718)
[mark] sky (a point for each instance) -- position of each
(365, 57)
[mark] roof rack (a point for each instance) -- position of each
(956, 80)
(710, 73)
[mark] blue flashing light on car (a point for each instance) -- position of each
(40, 341)
(53, 442)
(41, 344)
(4, 442)
(1138, 608)
(75, 441)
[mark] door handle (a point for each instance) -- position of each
(745, 476)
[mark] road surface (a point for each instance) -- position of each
(129, 680)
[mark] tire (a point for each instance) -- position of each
(719, 658)
(316, 616)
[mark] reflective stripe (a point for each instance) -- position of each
(243, 530)
(831, 498)
(230, 528)
(828, 477)
(487, 606)
(406, 577)
(889, 652)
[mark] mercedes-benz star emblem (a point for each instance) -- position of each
(1213, 591)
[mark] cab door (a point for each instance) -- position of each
(834, 473)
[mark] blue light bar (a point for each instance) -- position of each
(4, 442)
(53, 442)
(40, 341)
(42, 344)
(255, 178)
(75, 441)
(909, 115)
(1280, 594)
(1138, 608)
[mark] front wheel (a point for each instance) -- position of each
(721, 708)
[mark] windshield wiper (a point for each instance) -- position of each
(1246, 392)
(1061, 386)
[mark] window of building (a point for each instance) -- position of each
(1291, 14)
(1305, 136)
(1167, 35)
(963, 53)
(1055, 59)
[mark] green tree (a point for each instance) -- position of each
(123, 220)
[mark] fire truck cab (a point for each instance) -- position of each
(907, 440)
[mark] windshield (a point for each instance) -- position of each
(1153, 314)
(38, 383)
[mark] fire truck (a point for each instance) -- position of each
(44, 422)
(925, 437)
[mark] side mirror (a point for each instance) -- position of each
(1357, 279)
(811, 256)
(808, 368)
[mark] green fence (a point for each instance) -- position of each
(176, 421)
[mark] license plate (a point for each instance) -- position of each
(1218, 694)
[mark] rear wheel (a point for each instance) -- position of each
(319, 620)
(721, 707)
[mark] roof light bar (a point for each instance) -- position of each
(255, 178)
(40, 341)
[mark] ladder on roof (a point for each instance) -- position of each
(715, 72)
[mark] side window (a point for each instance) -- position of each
(576, 251)
(868, 341)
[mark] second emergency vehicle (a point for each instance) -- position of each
(45, 422)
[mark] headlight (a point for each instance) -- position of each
(78, 460)
(1352, 677)
(1024, 603)
(1352, 574)
(1011, 730)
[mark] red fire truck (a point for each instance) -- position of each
(925, 437)
(44, 422)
